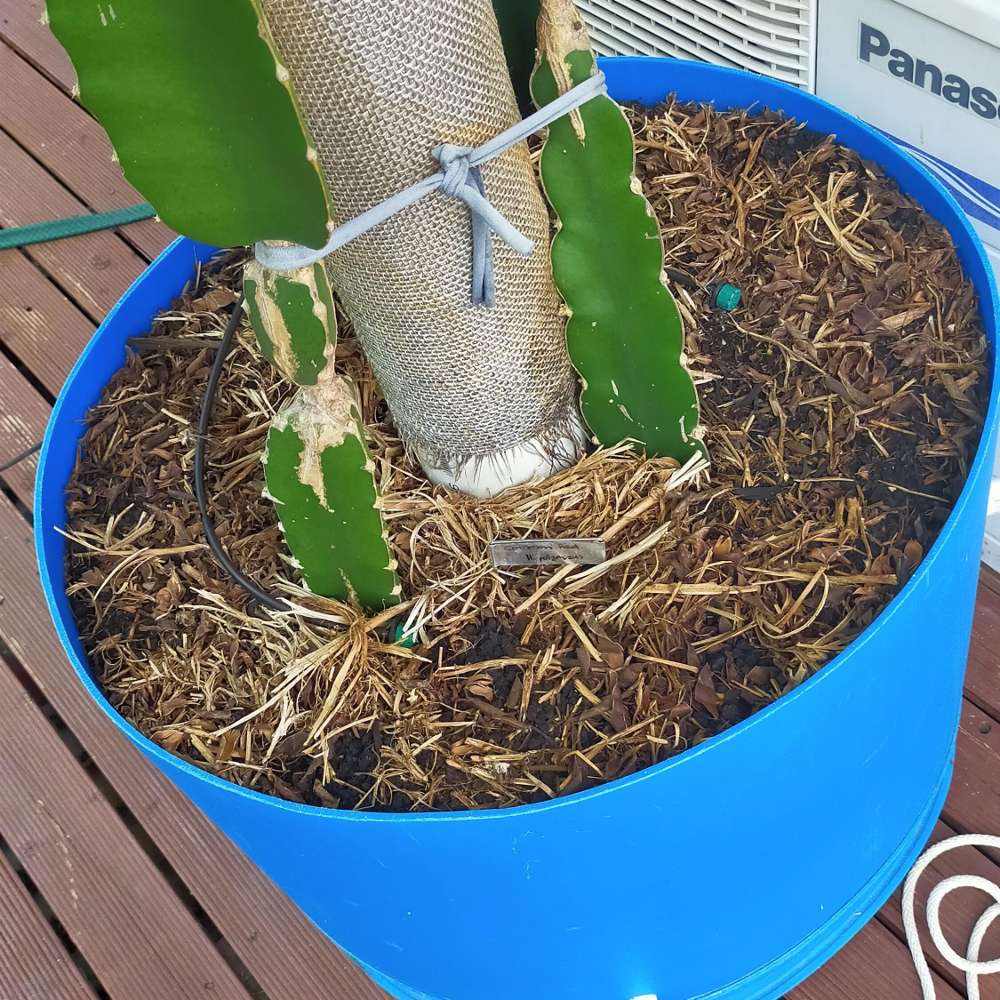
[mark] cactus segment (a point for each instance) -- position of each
(518, 21)
(624, 333)
(317, 467)
(321, 479)
(200, 114)
(294, 318)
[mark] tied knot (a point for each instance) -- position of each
(462, 179)
(456, 162)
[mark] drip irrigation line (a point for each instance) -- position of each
(204, 422)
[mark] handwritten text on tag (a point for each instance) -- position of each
(548, 552)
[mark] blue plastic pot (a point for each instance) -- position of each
(733, 870)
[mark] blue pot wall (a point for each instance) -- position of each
(733, 870)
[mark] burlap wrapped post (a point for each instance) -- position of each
(484, 397)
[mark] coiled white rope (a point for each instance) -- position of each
(969, 963)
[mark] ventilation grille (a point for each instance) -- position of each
(766, 36)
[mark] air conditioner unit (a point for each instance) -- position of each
(927, 72)
(773, 38)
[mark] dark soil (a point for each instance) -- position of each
(787, 147)
(843, 404)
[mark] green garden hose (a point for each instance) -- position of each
(76, 225)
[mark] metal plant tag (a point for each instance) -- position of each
(548, 552)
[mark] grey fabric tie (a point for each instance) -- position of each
(465, 182)
(460, 177)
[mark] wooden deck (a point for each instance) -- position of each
(111, 884)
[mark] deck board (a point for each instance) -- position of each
(23, 414)
(33, 962)
(94, 269)
(70, 145)
(874, 965)
(121, 914)
(974, 803)
(281, 948)
(21, 27)
(40, 326)
(982, 684)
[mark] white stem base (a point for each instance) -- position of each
(487, 475)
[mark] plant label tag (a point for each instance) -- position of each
(548, 552)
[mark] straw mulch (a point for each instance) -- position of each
(842, 405)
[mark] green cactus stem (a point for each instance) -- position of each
(624, 333)
(200, 114)
(294, 318)
(317, 467)
(321, 478)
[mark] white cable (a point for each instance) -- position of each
(970, 964)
